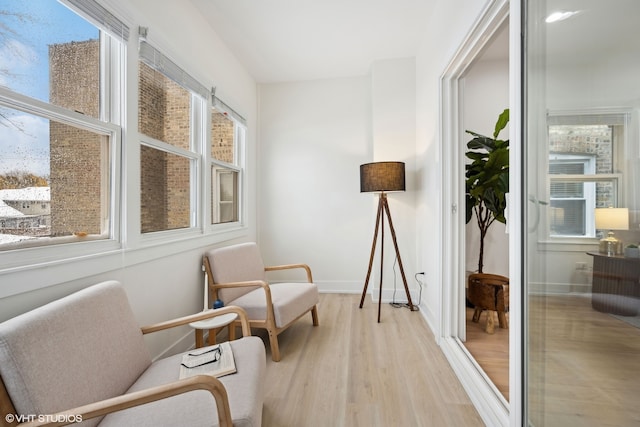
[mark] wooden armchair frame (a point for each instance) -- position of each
(129, 400)
(269, 323)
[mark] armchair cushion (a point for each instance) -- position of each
(289, 300)
(197, 408)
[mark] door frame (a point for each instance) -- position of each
(492, 406)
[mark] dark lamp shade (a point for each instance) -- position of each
(382, 176)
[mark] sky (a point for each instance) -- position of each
(27, 28)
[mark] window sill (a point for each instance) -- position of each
(568, 244)
(45, 266)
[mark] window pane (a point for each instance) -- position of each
(164, 108)
(222, 137)
(579, 149)
(566, 168)
(568, 217)
(49, 53)
(165, 190)
(54, 180)
(584, 139)
(563, 190)
(224, 195)
(571, 207)
(580, 310)
(79, 180)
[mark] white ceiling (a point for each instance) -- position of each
(597, 31)
(293, 40)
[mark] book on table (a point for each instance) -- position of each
(216, 360)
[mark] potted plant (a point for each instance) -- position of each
(487, 185)
(487, 180)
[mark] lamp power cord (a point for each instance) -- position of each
(396, 304)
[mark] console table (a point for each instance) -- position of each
(616, 284)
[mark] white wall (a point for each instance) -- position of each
(394, 134)
(314, 135)
(485, 96)
(162, 279)
(444, 32)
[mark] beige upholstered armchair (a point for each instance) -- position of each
(84, 358)
(237, 276)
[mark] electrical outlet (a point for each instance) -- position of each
(581, 266)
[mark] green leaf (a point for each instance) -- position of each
(474, 155)
(481, 142)
(502, 122)
(471, 202)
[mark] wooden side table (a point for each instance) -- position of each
(616, 284)
(213, 325)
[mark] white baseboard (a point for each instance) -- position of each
(339, 287)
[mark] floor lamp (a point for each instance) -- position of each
(383, 177)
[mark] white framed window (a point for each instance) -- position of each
(60, 86)
(585, 170)
(171, 107)
(228, 135)
(224, 184)
(572, 199)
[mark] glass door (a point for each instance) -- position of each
(582, 164)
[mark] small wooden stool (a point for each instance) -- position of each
(489, 292)
(213, 325)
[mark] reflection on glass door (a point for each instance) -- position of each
(582, 308)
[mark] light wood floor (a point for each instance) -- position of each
(584, 365)
(352, 371)
(491, 351)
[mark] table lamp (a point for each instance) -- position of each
(611, 219)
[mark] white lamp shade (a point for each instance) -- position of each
(612, 219)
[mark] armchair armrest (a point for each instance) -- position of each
(292, 266)
(207, 314)
(250, 283)
(129, 400)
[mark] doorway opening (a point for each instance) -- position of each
(475, 90)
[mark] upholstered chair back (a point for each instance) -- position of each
(237, 263)
(80, 349)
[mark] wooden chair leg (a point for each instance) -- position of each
(275, 349)
(199, 338)
(232, 331)
(314, 315)
(211, 340)
(476, 315)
